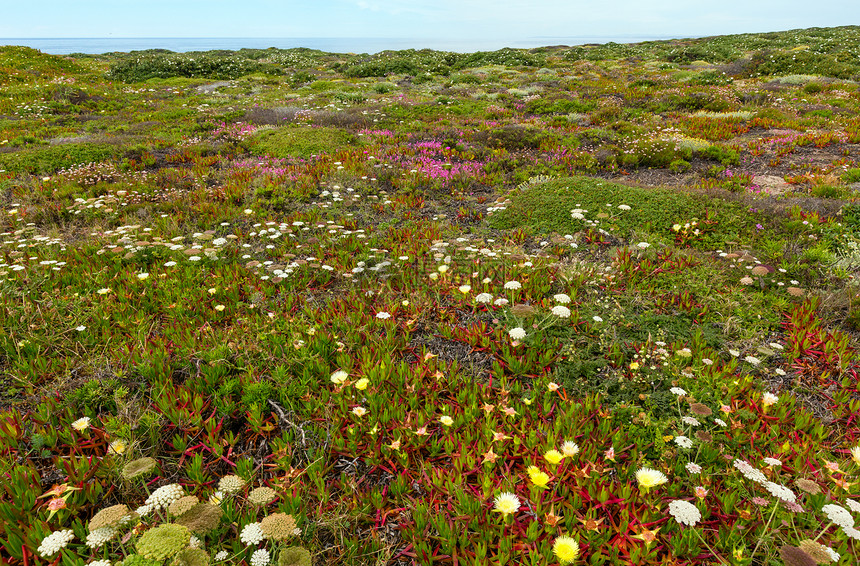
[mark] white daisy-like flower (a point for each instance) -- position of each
(55, 542)
(339, 377)
(838, 515)
(769, 399)
(251, 534)
(81, 424)
(570, 448)
(685, 512)
(561, 311)
(517, 333)
(561, 298)
(506, 503)
(464, 288)
(484, 298)
(143, 276)
(513, 285)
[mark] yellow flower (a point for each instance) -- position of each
(855, 454)
(634, 366)
(553, 456)
(81, 424)
(566, 549)
(339, 377)
(118, 446)
(219, 308)
(446, 420)
(649, 478)
(359, 411)
(362, 384)
(443, 268)
(539, 478)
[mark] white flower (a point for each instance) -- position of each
(517, 333)
(100, 536)
(677, 391)
(103, 291)
(221, 555)
(570, 448)
(260, 557)
(683, 442)
(506, 503)
(81, 424)
(685, 512)
(838, 515)
(99, 563)
(561, 311)
(359, 411)
(623, 207)
(513, 285)
(853, 505)
(339, 377)
(143, 510)
(561, 298)
(382, 315)
(251, 534)
(81, 328)
(772, 462)
(55, 542)
(834, 556)
(769, 399)
(643, 245)
(852, 532)
(752, 360)
(720, 422)
(596, 318)
(780, 492)
(484, 298)
(690, 421)
(500, 302)
(143, 276)
(749, 472)
(165, 495)
(464, 288)
(693, 468)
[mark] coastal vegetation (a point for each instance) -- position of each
(567, 305)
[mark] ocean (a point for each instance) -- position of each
(97, 45)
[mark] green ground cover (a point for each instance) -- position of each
(589, 305)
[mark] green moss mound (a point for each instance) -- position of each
(301, 141)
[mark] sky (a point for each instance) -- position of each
(439, 19)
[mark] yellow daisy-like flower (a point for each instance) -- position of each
(566, 549)
(446, 420)
(649, 478)
(553, 457)
(362, 384)
(539, 478)
(118, 446)
(81, 424)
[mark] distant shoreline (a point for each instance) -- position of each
(99, 45)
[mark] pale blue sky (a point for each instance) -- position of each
(476, 19)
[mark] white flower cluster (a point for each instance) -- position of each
(780, 492)
(231, 484)
(683, 442)
(260, 557)
(55, 542)
(749, 472)
(838, 515)
(251, 534)
(517, 333)
(100, 536)
(685, 512)
(562, 298)
(164, 496)
(561, 311)
(484, 298)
